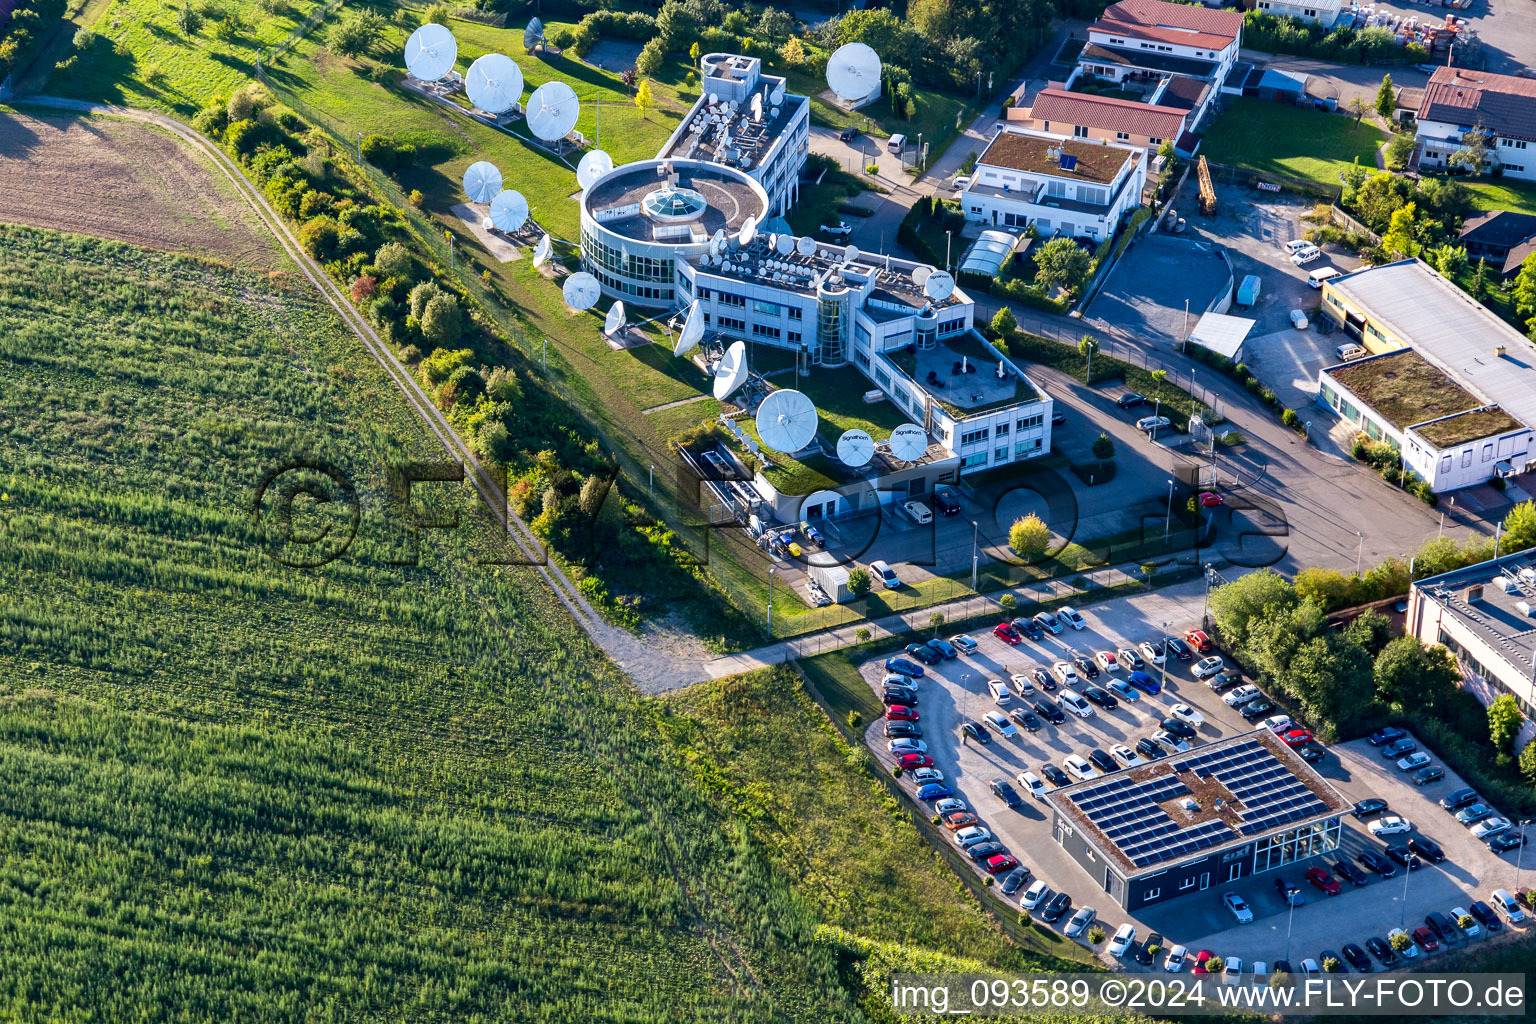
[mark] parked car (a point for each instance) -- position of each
(1036, 892)
(1106, 660)
(1001, 695)
(1049, 623)
(1124, 936)
(1100, 696)
(1289, 893)
(957, 820)
(1148, 748)
(1489, 826)
(1006, 793)
(1377, 863)
(1142, 951)
(1381, 949)
(1418, 759)
(1299, 320)
(1064, 673)
(1130, 658)
(1295, 737)
(925, 654)
(1177, 648)
(1102, 761)
(1323, 881)
(968, 837)
(1207, 667)
(1152, 651)
(1238, 907)
(965, 643)
(906, 745)
(1069, 615)
(945, 649)
(933, 791)
(981, 852)
(998, 721)
(848, 134)
(887, 576)
(1056, 906)
(1197, 639)
(1347, 871)
(1210, 499)
(1310, 753)
(1465, 922)
(1044, 680)
(1125, 755)
(1073, 701)
(1029, 628)
(1277, 723)
(1443, 928)
(1508, 906)
(1398, 748)
(1241, 695)
(1011, 882)
(1409, 951)
(1175, 961)
(1256, 708)
(1168, 739)
(1185, 713)
(1032, 784)
(1055, 776)
(1123, 690)
(1006, 633)
(975, 731)
(914, 761)
(1388, 734)
(1424, 776)
(1509, 839)
(926, 775)
(1000, 862)
(1404, 856)
(901, 713)
(903, 729)
(904, 667)
(1485, 916)
(1084, 667)
(945, 502)
(1130, 400)
(1080, 921)
(1356, 956)
(1369, 806)
(1427, 848)
(1145, 683)
(1458, 798)
(1225, 679)
(1079, 768)
(1390, 825)
(1026, 719)
(1152, 423)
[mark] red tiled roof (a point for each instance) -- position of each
(1183, 24)
(1503, 104)
(1107, 113)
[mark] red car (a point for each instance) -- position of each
(1006, 633)
(1426, 938)
(1200, 959)
(1197, 639)
(1296, 737)
(1002, 862)
(1324, 881)
(957, 820)
(901, 713)
(914, 760)
(1209, 500)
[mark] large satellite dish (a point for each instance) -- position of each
(552, 111)
(581, 290)
(851, 254)
(731, 371)
(494, 83)
(509, 210)
(908, 442)
(784, 245)
(786, 420)
(533, 35)
(806, 246)
(748, 232)
(692, 332)
(482, 181)
(615, 322)
(920, 274)
(542, 251)
(939, 286)
(593, 166)
(717, 242)
(855, 448)
(853, 71)
(430, 52)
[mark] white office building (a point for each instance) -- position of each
(1075, 188)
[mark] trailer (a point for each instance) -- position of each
(833, 579)
(1248, 291)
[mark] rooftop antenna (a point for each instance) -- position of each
(806, 246)
(777, 97)
(731, 371)
(855, 448)
(430, 52)
(591, 167)
(552, 110)
(509, 210)
(533, 35)
(747, 233)
(784, 245)
(853, 72)
(615, 321)
(494, 83)
(581, 290)
(851, 253)
(482, 181)
(920, 274)
(786, 420)
(908, 442)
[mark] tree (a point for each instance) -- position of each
(1328, 587)
(793, 52)
(1372, 631)
(1399, 237)
(355, 34)
(1087, 345)
(1504, 721)
(1525, 291)
(1386, 99)
(694, 53)
(84, 39)
(1476, 151)
(1103, 448)
(1167, 152)
(440, 320)
(1359, 108)
(1029, 537)
(394, 260)
(188, 20)
(774, 24)
(1450, 260)
(1412, 675)
(858, 581)
(936, 620)
(893, 40)
(1528, 762)
(1400, 940)
(1008, 603)
(1237, 604)
(421, 295)
(1331, 677)
(1399, 151)
(652, 56)
(643, 98)
(1519, 528)
(1480, 279)
(1062, 263)
(1004, 323)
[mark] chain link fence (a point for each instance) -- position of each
(298, 32)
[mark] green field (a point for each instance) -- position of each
(1272, 138)
(1503, 194)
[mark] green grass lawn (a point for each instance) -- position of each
(1503, 194)
(934, 114)
(1273, 138)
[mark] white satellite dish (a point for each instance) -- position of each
(482, 181)
(853, 71)
(430, 52)
(784, 245)
(920, 274)
(851, 254)
(717, 242)
(692, 332)
(542, 251)
(786, 420)
(747, 233)
(494, 83)
(806, 246)
(855, 448)
(773, 241)
(533, 35)
(908, 442)
(593, 166)
(939, 286)
(552, 110)
(509, 210)
(731, 371)
(581, 290)
(777, 96)
(615, 321)
(757, 107)
(751, 444)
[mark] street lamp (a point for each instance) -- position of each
(1166, 655)
(1206, 604)
(949, 241)
(975, 552)
(1403, 923)
(1519, 855)
(771, 571)
(1168, 522)
(1360, 551)
(1289, 920)
(1157, 409)
(965, 686)
(653, 481)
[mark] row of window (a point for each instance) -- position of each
(639, 291)
(1023, 423)
(638, 268)
(1478, 669)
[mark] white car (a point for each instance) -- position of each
(1207, 667)
(998, 721)
(1298, 320)
(1073, 702)
(1232, 966)
(907, 745)
(1297, 245)
(1309, 967)
(1125, 755)
(1390, 825)
(1278, 723)
(964, 643)
(1079, 767)
(1152, 423)
(1130, 658)
(1064, 673)
(962, 182)
(1409, 951)
(1021, 684)
(1260, 970)
(1080, 922)
(1068, 614)
(950, 803)
(1169, 740)
(1242, 695)
(1152, 652)
(1306, 256)
(1471, 931)
(1107, 662)
(1035, 894)
(1488, 827)
(969, 837)
(1417, 759)
(881, 568)
(1124, 936)
(923, 776)
(1239, 908)
(1175, 962)
(999, 691)
(1188, 715)
(1032, 783)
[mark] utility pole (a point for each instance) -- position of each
(975, 552)
(1359, 551)
(771, 571)
(1167, 523)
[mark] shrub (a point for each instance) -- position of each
(1029, 537)
(561, 38)
(84, 39)
(1025, 919)
(440, 322)
(859, 581)
(862, 635)
(1095, 935)
(409, 354)
(320, 237)
(1290, 419)
(1008, 602)
(855, 719)
(394, 260)
(421, 295)
(1103, 447)
(211, 121)
(651, 58)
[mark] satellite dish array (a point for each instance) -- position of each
(853, 72)
(855, 448)
(542, 251)
(482, 181)
(692, 332)
(908, 442)
(533, 35)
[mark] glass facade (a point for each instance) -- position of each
(1296, 844)
(647, 278)
(832, 329)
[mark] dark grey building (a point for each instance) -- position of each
(1211, 816)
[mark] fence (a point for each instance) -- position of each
(300, 30)
(1339, 218)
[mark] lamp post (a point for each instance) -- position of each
(965, 686)
(1524, 822)
(1289, 920)
(1359, 552)
(1157, 410)
(949, 242)
(1205, 605)
(771, 571)
(1168, 522)
(975, 552)
(1166, 655)
(652, 487)
(1498, 534)
(1403, 922)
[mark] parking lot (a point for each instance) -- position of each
(956, 690)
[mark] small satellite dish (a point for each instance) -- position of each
(692, 332)
(717, 242)
(777, 96)
(784, 245)
(757, 107)
(509, 210)
(773, 241)
(581, 290)
(615, 321)
(920, 274)
(731, 371)
(786, 420)
(939, 286)
(747, 233)
(908, 442)
(541, 252)
(593, 166)
(494, 83)
(482, 181)
(552, 110)
(806, 246)
(533, 35)
(851, 254)
(751, 444)
(853, 71)
(430, 52)
(855, 448)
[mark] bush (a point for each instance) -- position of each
(394, 261)
(1029, 537)
(1008, 602)
(859, 581)
(855, 719)
(1095, 935)
(561, 38)
(84, 39)
(1025, 919)
(652, 57)
(862, 634)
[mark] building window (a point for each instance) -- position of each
(727, 299)
(794, 336)
(1188, 883)
(1152, 894)
(1155, 140)
(703, 293)
(764, 331)
(1026, 422)
(1122, 136)
(1000, 454)
(972, 461)
(795, 312)
(730, 323)
(1487, 452)
(1047, 126)
(765, 308)
(1000, 430)
(1080, 131)
(971, 437)
(1466, 458)
(1027, 447)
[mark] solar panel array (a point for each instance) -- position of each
(1127, 812)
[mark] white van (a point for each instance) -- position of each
(1321, 274)
(897, 144)
(918, 511)
(1507, 903)
(1350, 351)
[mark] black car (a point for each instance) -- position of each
(1183, 730)
(1085, 668)
(925, 654)
(1057, 416)
(1442, 926)
(1311, 753)
(1102, 761)
(1147, 747)
(1377, 863)
(1131, 400)
(902, 694)
(1006, 793)
(1283, 967)
(946, 503)
(1013, 879)
(981, 851)
(1048, 711)
(1382, 950)
(976, 731)
(1484, 913)
(1426, 848)
(1142, 951)
(1351, 874)
(1044, 679)
(894, 729)
(1055, 776)
(1060, 904)
(1457, 799)
(1389, 734)
(1176, 647)
(1371, 805)
(1398, 748)
(1256, 708)
(1404, 856)
(1328, 956)
(1429, 773)
(1355, 955)
(1224, 680)
(1029, 627)
(1026, 719)
(944, 649)
(1100, 696)
(1503, 842)
(1291, 895)
(848, 134)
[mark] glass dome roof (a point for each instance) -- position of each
(674, 203)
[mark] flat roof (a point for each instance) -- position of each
(1450, 329)
(1494, 614)
(1216, 796)
(751, 140)
(1034, 154)
(1193, 67)
(1404, 388)
(762, 265)
(1222, 333)
(731, 198)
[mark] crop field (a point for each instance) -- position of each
(365, 791)
(123, 180)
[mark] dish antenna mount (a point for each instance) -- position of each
(494, 83)
(786, 420)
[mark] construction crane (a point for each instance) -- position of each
(1207, 191)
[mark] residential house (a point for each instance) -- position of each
(1150, 40)
(1074, 187)
(1501, 237)
(1324, 12)
(1458, 101)
(1103, 118)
